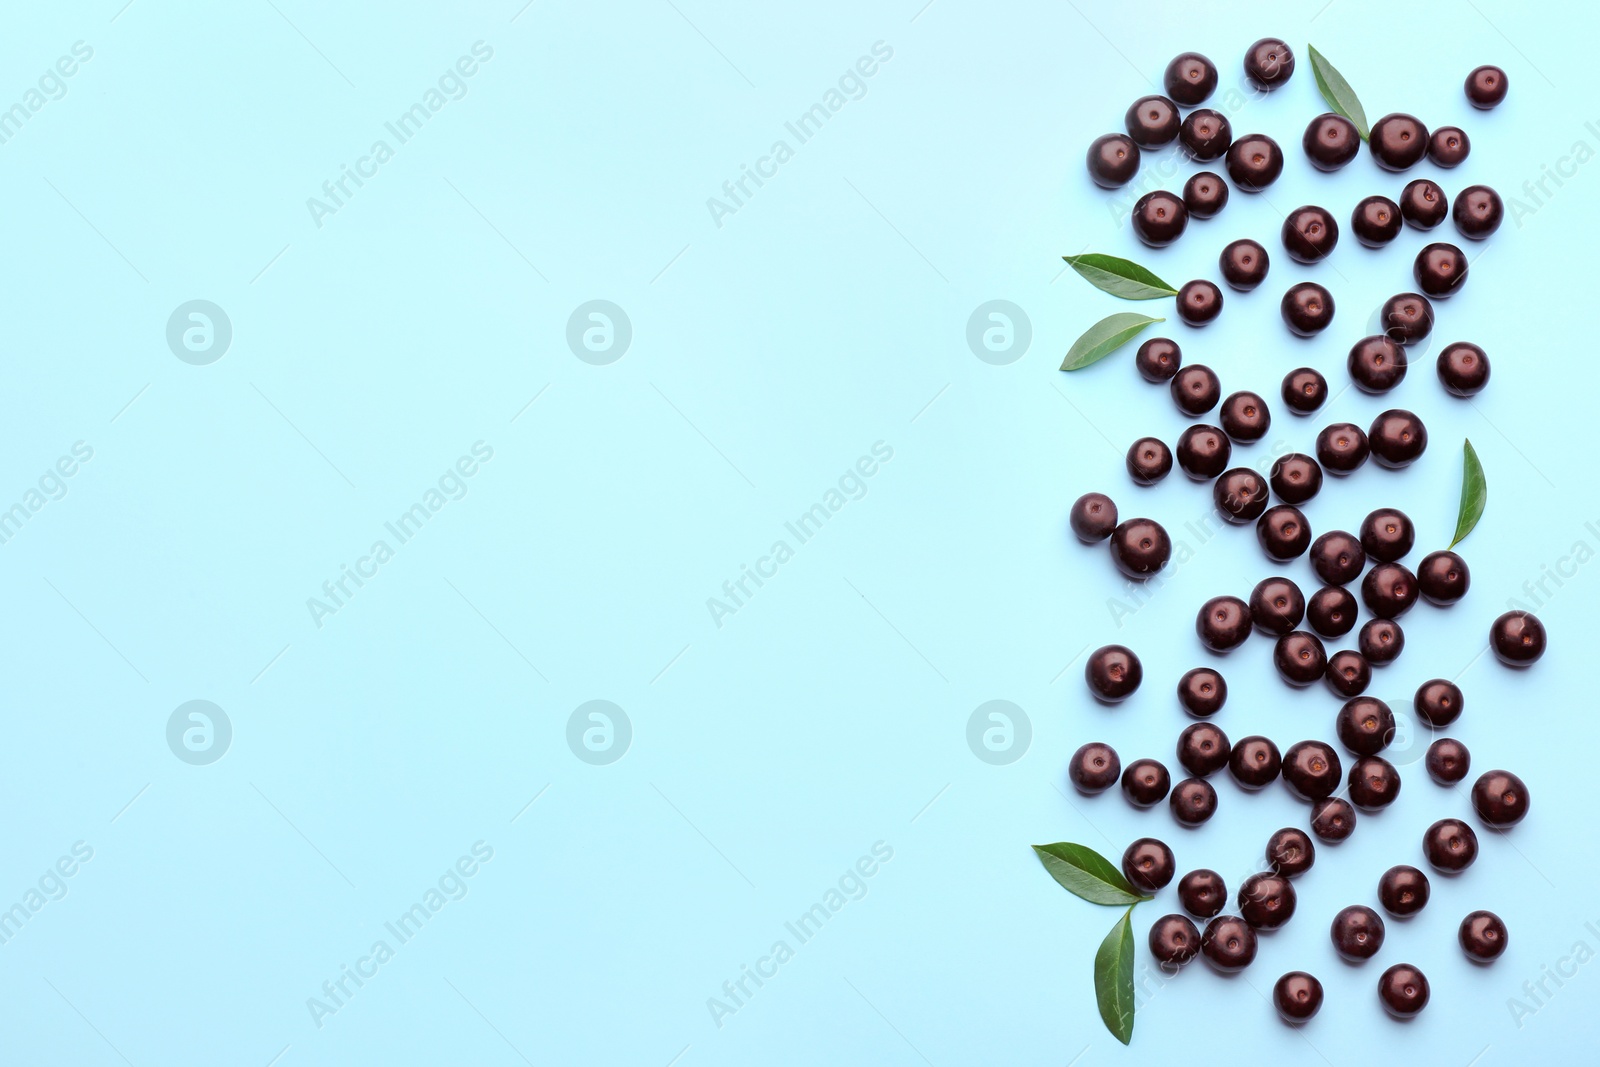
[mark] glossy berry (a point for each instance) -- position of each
(1195, 389)
(1199, 302)
(1438, 702)
(1376, 364)
(1337, 557)
(1406, 318)
(1276, 606)
(1245, 417)
(1332, 820)
(1145, 782)
(1203, 749)
(1381, 641)
(1113, 673)
(1486, 86)
(1290, 852)
(1309, 234)
(1254, 762)
(1283, 533)
(1443, 578)
(1397, 438)
(1295, 478)
(1440, 270)
(1398, 141)
(1297, 996)
(1374, 783)
(1449, 146)
(1205, 195)
(1307, 309)
(1403, 990)
(1254, 162)
(1357, 933)
(1174, 941)
(1205, 135)
(1365, 725)
(1266, 901)
(1223, 623)
(1331, 612)
(1304, 390)
(1376, 221)
(1193, 801)
(1158, 359)
(1159, 218)
(1342, 447)
(1500, 798)
(1229, 943)
(1300, 658)
(1094, 768)
(1203, 452)
(1403, 891)
(1152, 121)
(1387, 535)
(1113, 160)
(1448, 761)
(1311, 770)
(1268, 63)
(1478, 212)
(1348, 672)
(1243, 264)
(1202, 692)
(1148, 865)
(1149, 460)
(1190, 78)
(1330, 141)
(1450, 845)
(1518, 638)
(1483, 936)
(1240, 495)
(1140, 548)
(1423, 204)
(1463, 368)
(1093, 517)
(1389, 590)
(1202, 893)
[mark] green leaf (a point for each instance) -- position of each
(1474, 493)
(1086, 873)
(1120, 277)
(1104, 338)
(1113, 978)
(1337, 92)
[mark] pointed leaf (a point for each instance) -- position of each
(1337, 92)
(1085, 873)
(1120, 277)
(1474, 493)
(1113, 978)
(1104, 338)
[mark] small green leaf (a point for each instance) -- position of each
(1474, 493)
(1120, 277)
(1086, 873)
(1104, 338)
(1113, 978)
(1337, 92)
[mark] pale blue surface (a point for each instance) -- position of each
(768, 354)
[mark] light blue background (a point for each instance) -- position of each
(768, 354)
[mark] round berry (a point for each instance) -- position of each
(1403, 891)
(1331, 611)
(1407, 318)
(1486, 86)
(1113, 673)
(1304, 390)
(1148, 865)
(1483, 936)
(1387, 534)
(1330, 141)
(1376, 221)
(1478, 212)
(1203, 452)
(1374, 783)
(1094, 768)
(1203, 749)
(1332, 820)
(1309, 234)
(1149, 460)
(1297, 996)
(1202, 692)
(1159, 218)
(1365, 725)
(1449, 146)
(1397, 438)
(1268, 63)
(1295, 478)
(1193, 801)
(1254, 762)
(1398, 141)
(1423, 204)
(1195, 389)
(1276, 606)
(1376, 364)
(1440, 270)
(1403, 990)
(1199, 302)
(1348, 672)
(1140, 548)
(1190, 78)
(1243, 264)
(1500, 798)
(1254, 162)
(1342, 447)
(1266, 901)
(1463, 368)
(1290, 852)
(1448, 761)
(1357, 933)
(1205, 195)
(1223, 623)
(1381, 641)
(1174, 941)
(1113, 160)
(1152, 121)
(1229, 943)
(1093, 517)
(1438, 702)
(1311, 770)
(1205, 135)
(1202, 893)
(1145, 782)
(1518, 638)
(1450, 846)
(1307, 309)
